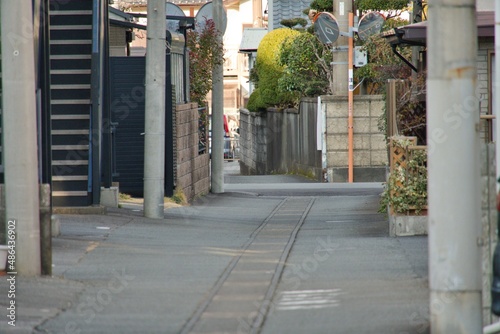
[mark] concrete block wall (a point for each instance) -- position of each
(247, 151)
(489, 226)
(117, 41)
(485, 48)
(192, 168)
(370, 151)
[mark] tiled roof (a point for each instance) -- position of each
(128, 3)
(251, 39)
(288, 9)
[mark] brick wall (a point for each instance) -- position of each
(192, 168)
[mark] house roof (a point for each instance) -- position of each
(128, 3)
(417, 32)
(251, 39)
(177, 2)
(119, 15)
(288, 9)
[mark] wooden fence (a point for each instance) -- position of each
(405, 168)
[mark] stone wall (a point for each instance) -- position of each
(370, 150)
(192, 175)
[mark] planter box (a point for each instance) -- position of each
(407, 225)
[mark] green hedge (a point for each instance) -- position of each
(269, 72)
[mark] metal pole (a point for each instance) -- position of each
(453, 167)
(270, 15)
(154, 140)
(20, 133)
(96, 100)
(217, 159)
(107, 145)
(350, 121)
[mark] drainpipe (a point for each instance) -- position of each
(95, 136)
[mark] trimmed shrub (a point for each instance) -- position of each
(268, 71)
(255, 102)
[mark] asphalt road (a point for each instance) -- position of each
(276, 254)
(344, 273)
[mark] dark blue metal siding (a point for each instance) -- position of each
(127, 110)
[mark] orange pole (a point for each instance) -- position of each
(350, 125)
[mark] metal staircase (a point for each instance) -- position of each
(70, 73)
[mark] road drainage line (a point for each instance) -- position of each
(189, 325)
(266, 303)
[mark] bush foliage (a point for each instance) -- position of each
(381, 5)
(268, 71)
(406, 188)
(205, 52)
(306, 66)
(383, 63)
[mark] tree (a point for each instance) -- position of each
(322, 5)
(291, 23)
(205, 52)
(392, 8)
(306, 63)
(383, 64)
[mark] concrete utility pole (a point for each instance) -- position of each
(496, 88)
(270, 15)
(20, 133)
(154, 141)
(416, 17)
(453, 166)
(217, 159)
(341, 10)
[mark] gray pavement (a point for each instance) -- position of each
(274, 254)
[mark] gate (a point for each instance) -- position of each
(127, 90)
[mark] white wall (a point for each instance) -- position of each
(485, 5)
